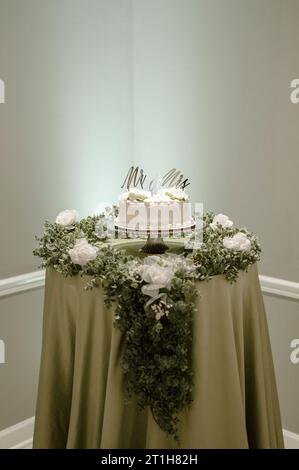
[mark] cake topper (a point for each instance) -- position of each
(155, 184)
(173, 178)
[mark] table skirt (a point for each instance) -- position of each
(81, 391)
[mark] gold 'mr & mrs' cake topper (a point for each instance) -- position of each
(136, 176)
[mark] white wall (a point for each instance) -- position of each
(65, 142)
(93, 86)
(211, 96)
(20, 327)
(65, 129)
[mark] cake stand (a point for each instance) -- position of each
(155, 243)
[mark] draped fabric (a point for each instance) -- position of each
(81, 400)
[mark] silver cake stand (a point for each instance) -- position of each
(155, 243)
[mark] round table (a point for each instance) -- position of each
(81, 401)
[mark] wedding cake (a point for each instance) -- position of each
(168, 209)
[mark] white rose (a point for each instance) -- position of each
(67, 217)
(83, 252)
(124, 197)
(157, 277)
(239, 242)
(160, 197)
(175, 194)
(222, 220)
(136, 194)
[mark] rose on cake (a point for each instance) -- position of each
(135, 194)
(175, 194)
(159, 198)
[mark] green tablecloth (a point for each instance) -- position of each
(80, 398)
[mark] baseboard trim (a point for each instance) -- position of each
(20, 436)
(291, 439)
(27, 444)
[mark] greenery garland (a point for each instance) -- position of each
(157, 324)
(213, 258)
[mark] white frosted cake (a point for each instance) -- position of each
(168, 209)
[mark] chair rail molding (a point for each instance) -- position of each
(279, 287)
(36, 279)
(22, 283)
